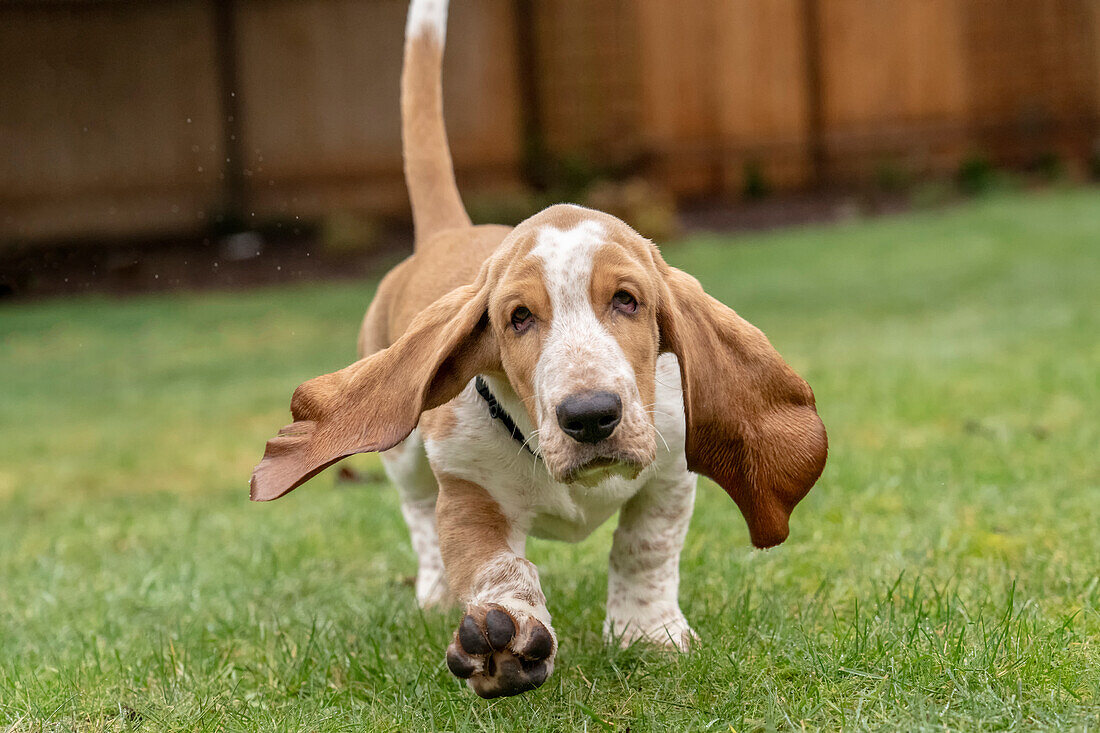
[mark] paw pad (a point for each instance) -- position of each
(501, 654)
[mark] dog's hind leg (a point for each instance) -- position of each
(407, 466)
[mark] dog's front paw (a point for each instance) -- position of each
(669, 629)
(501, 653)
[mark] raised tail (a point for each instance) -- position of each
(429, 172)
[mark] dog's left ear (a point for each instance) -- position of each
(376, 402)
(751, 421)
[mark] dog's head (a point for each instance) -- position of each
(573, 309)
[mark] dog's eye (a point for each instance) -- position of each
(522, 319)
(624, 301)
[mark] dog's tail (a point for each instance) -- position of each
(429, 172)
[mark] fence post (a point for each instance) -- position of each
(535, 163)
(232, 215)
(811, 23)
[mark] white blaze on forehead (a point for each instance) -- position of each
(567, 260)
(427, 17)
(579, 353)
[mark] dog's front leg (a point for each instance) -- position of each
(504, 644)
(643, 580)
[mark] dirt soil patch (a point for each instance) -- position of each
(251, 259)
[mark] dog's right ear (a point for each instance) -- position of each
(752, 423)
(376, 402)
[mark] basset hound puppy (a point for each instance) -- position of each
(535, 381)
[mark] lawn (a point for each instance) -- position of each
(944, 573)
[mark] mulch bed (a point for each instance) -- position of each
(253, 259)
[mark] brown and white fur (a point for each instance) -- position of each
(572, 307)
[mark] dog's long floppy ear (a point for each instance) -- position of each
(376, 402)
(751, 421)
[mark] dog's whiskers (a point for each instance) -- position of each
(534, 434)
(658, 431)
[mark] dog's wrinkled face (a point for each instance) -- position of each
(574, 314)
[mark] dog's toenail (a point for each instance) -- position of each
(501, 628)
(471, 638)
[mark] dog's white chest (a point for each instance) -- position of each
(571, 513)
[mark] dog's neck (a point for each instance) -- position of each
(506, 396)
(498, 413)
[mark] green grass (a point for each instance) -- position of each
(944, 573)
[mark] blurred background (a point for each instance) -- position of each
(183, 143)
(931, 168)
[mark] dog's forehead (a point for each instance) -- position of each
(562, 246)
(552, 241)
(572, 225)
(567, 254)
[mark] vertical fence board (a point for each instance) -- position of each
(893, 84)
(587, 76)
(759, 74)
(322, 121)
(678, 113)
(108, 119)
(1033, 70)
(723, 88)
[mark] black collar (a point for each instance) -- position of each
(497, 412)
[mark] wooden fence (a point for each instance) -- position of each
(163, 117)
(820, 91)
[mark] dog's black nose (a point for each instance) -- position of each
(590, 417)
